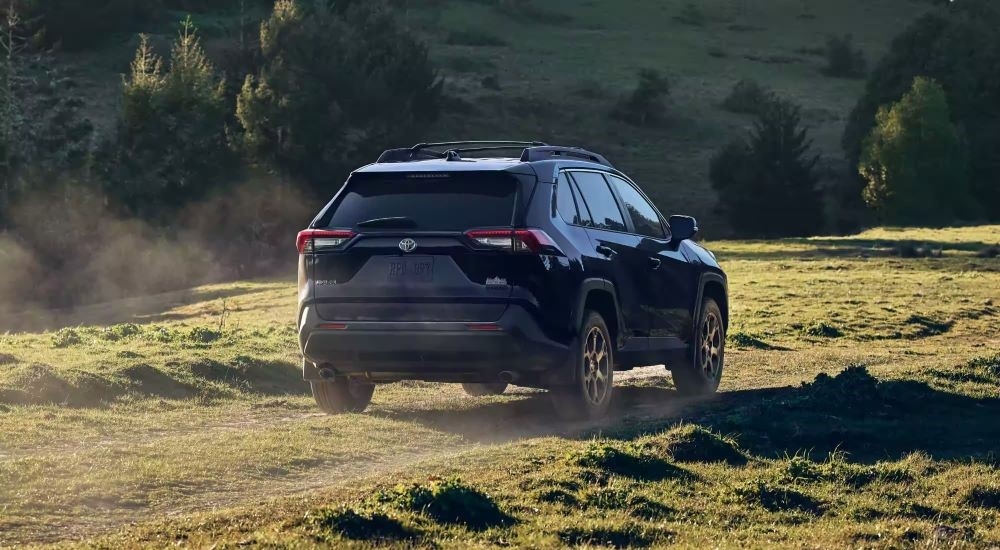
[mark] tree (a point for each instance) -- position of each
(843, 59)
(767, 183)
(338, 82)
(645, 105)
(171, 146)
(958, 46)
(12, 42)
(748, 97)
(914, 163)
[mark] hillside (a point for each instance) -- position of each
(517, 69)
(181, 418)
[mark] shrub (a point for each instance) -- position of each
(853, 390)
(749, 97)
(333, 90)
(778, 499)
(66, 337)
(447, 501)
(767, 183)
(982, 497)
(822, 329)
(913, 163)
(171, 146)
(693, 443)
(843, 59)
(958, 46)
(634, 462)
(359, 526)
(746, 340)
(645, 106)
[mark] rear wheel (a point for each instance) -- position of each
(589, 396)
(703, 372)
(342, 395)
(482, 390)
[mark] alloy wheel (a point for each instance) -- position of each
(710, 348)
(596, 366)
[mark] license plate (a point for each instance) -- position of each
(420, 270)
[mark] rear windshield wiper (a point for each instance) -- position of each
(399, 221)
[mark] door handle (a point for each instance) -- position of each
(606, 250)
(655, 263)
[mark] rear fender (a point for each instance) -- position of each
(597, 285)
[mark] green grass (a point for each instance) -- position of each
(185, 414)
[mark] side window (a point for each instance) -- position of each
(600, 201)
(566, 202)
(644, 216)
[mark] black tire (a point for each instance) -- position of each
(592, 370)
(342, 395)
(706, 358)
(482, 390)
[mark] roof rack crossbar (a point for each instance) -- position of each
(546, 152)
(456, 154)
(451, 144)
(407, 154)
(424, 151)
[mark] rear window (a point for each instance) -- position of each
(447, 202)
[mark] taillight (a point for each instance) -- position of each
(315, 240)
(515, 240)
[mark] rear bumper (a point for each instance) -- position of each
(435, 351)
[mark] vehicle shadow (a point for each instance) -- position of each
(853, 412)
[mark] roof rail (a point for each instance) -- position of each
(423, 151)
(548, 152)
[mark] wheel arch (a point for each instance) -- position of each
(713, 285)
(599, 295)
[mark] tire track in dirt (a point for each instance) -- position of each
(643, 399)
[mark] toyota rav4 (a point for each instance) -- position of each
(448, 262)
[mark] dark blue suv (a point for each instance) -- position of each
(442, 262)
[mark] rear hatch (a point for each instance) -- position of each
(401, 249)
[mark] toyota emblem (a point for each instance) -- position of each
(407, 245)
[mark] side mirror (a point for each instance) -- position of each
(683, 228)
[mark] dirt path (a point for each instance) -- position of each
(521, 418)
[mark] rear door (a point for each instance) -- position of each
(616, 250)
(408, 257)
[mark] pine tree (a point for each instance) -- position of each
(172, 145)
(767, 182)
(12, 43)
(338, 81)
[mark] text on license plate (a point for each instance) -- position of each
(412, 269)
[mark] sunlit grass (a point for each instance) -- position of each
(193, 401)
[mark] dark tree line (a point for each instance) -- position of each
(958, 46)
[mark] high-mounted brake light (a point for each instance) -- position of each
(515, 240)
(314, 240)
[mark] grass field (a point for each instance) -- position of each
(858, 409)
(554, 70)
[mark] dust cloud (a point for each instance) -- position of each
(67, 248)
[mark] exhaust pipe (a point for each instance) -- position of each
(508, 377)
(327, 373)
